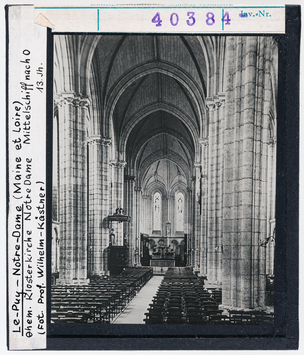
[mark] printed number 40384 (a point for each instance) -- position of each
(174, 19)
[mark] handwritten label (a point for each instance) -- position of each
(26, 173)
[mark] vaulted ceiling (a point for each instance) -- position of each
(154, 87)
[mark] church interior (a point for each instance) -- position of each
(164, 176)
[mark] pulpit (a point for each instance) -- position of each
(117, 259)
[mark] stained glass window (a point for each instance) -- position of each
(179, 211)
(157, 211)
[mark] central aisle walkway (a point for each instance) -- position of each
(134, 313)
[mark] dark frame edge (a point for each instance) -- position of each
(286, 338)
(293, 30)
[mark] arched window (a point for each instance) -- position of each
(157, 211)
(179, 200)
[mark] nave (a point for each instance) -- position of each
(137, 297)
(164, 155)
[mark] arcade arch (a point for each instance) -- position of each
(173, 114)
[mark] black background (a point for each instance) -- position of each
(285, 332)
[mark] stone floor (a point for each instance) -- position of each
(134, 313)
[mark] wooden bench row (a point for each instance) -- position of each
(251, 317)
(98, 302)
(181, 298)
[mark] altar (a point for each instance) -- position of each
(163, 257)
(162, 252)
(162, 262)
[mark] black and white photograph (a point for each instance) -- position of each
(152, 177)
(164, 179)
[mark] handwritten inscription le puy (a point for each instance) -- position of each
(27, 201)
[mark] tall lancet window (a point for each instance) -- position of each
(157, 211)
(179, 211)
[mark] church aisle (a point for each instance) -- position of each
(173, 141)
(134, 312)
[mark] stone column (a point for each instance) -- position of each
(197, 211)
(204, 206)
(53, 250)
(57, 254)
(244, 212)
(215, 106)
(271, 248)
(212, 193)
(272, 151)
(72, 115)
(129, 208)
(164, 215)
(190, 225)
(106, 142)
(269, 163)
(231, 272)
(137, 209)
(193, 215)
(170, 220)
(221, 109)
(98, 204)
(144, 214)
(55, 247)
(94, 206)
(117, 196)
(148, 216)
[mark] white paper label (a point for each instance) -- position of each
(165, 19)
(26, 173)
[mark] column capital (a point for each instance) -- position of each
(222, 97)
(119, 164)
(94, 139)
(64, 98)
(100, 140)
(106, 141)
(72, 98)
(210, 104)
(204, 142)
(131, 178)
(82, 101)
(215, 101)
